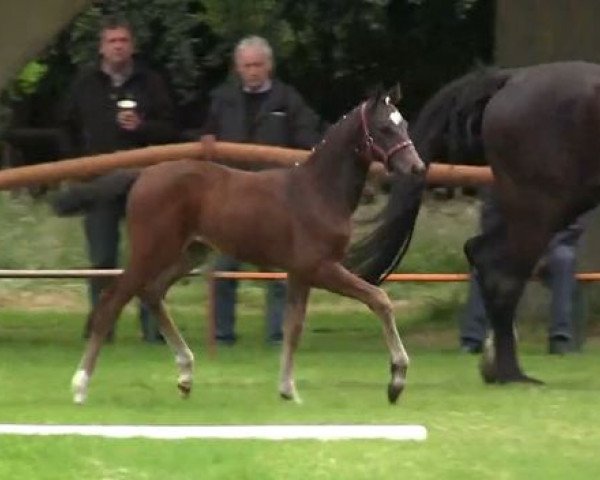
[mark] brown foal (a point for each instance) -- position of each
(296, 219)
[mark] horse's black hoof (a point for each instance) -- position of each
(490, 374)
(519, 378)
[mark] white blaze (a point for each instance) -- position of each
(396, 117)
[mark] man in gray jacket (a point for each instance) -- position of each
(256, 108)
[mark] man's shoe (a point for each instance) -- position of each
(275, 339)
(559, 346)
(226, 340)
(157, 338)
(471, 346)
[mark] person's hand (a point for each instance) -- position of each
(129, 120)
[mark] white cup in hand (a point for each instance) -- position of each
(127, 116)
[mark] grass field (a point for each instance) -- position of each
(475, 431)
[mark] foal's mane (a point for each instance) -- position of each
(337, 130)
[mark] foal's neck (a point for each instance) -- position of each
(337, 170)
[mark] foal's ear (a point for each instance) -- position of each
(395, 94)
(376, 93)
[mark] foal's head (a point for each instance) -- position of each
(385, 135)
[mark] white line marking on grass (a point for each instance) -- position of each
(262, 432)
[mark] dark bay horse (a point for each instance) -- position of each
(539, 129)
(297, 219)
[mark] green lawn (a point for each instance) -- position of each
(475, 431)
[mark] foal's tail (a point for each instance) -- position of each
(448, 127)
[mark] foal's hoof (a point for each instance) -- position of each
(289, 393)
(290, 397)
(79, 387)
(185, 387)
(397, 383)
(184, 390)
(394, 390)
(286, 395)
(79, 398)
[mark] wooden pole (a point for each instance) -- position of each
(85, 167)
(89, 166)
(459, 175)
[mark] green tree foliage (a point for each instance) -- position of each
(333, 51)
(336, 51)
(165, 33)
(169, 37)
(422, 44)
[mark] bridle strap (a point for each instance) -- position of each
(371, 148)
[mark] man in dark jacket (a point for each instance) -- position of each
(117, 105)
(256, 109)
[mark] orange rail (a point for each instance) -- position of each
(394, 277)
(267, 276)
(84, 167)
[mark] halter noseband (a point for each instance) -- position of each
(371, 149)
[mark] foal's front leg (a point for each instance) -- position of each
(295, 313)
(334, 277)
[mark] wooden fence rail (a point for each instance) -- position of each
(85, 167)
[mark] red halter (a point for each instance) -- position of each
(371, 148)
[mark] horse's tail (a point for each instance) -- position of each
(448, 126)
(378, 253)
(77, 197)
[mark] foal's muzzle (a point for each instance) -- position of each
(406, 161)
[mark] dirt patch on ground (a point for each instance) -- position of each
(45, 300)
(345, 306)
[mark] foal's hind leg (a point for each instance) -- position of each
(103, 318)
(151, 254)
(336, 278)
(153, 297)
(295, 313)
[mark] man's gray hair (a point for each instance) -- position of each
(255, 41)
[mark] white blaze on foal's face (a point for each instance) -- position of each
(395, 116)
